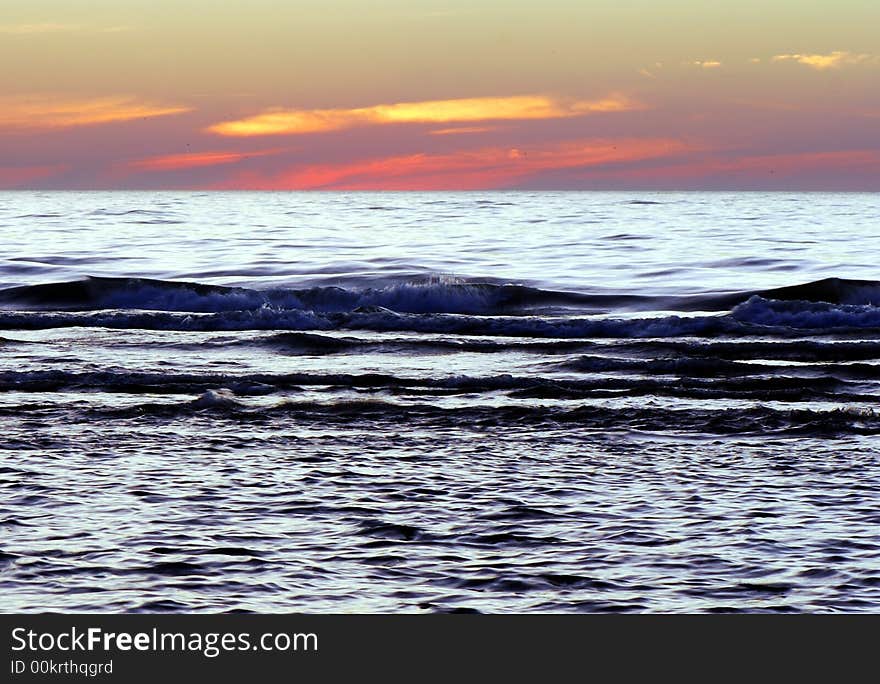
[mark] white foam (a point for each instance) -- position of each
(221, 397)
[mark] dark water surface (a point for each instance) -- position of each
(431, 402)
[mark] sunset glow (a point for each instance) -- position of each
(173, 162)
(42, 111)
(16, 177)
(109, 95)
(832, 60)
(470, 169)
(292, 122)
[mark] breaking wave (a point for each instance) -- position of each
(429, 295)
(438, 306)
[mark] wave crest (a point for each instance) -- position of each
(439, 306)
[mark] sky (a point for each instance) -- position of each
(433, 95)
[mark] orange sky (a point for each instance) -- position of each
(341, 94)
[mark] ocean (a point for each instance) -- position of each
(439, 402)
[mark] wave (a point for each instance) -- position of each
(830, 291)
(432, 295)
(797, 350)
(803, 376)
(800, 350)
(429, 295)
(439, 306)
(808, 314)
(382, 320)
(757, 317)
(220, 388)
(760, 421)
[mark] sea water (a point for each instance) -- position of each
(500, 401)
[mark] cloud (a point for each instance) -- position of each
(705, 64)
(22, 176)
(816, 170)
(647, 71)
(34, 112)
(461, 130)
(493, 167)
(299, 121)
(190, 160)
(832, 60)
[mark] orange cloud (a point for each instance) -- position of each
(866, 162)
(189, 160)
(459, 130)
(464, 170)
(832, 60)
(17, 177)
(299, 121)
(52, 112)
